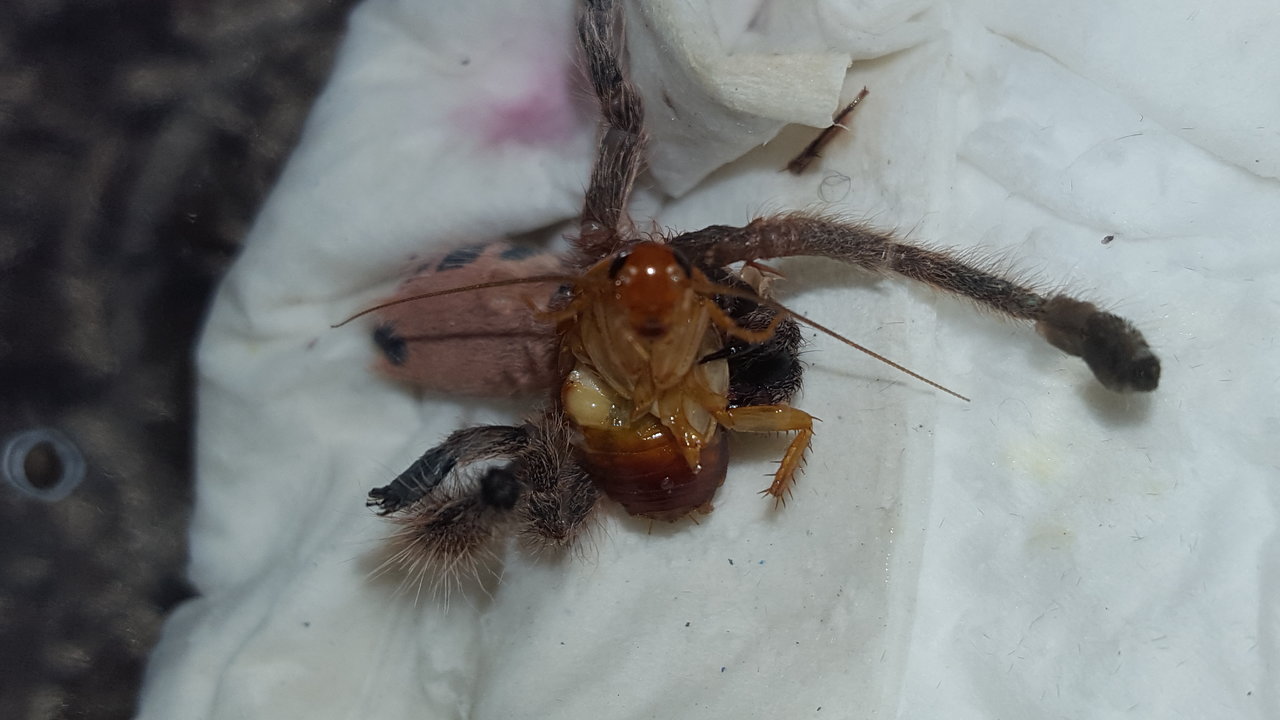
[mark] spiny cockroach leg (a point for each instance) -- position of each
(775, 418)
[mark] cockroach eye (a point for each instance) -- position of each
(42, 463)
(683, 262)
(616, 266)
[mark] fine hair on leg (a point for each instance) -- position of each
(1115, 351)
(605, 226)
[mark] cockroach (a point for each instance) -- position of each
(659, 348)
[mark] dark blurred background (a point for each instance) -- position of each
(137, 140)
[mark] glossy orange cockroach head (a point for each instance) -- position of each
(652, 284)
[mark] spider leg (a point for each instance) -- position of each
(621, 146)
(446, 534)
(427, 472)
(558, 495)
(1113, 348)
(445, 529)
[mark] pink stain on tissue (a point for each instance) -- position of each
(540, 109)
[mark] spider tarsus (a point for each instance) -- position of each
(386, 499)
(553, 521)
(1111, 346)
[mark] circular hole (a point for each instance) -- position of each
(42, 463)
(43, 466)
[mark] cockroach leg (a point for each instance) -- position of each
(811, 151)
(746, 334)
(775, 418)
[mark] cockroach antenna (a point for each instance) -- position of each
(784, 311)
(562, 279)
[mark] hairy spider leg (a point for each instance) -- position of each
(541, 490)
(1114, 350)
(605, 227)
(463, 447)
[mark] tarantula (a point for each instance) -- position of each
(660, 348)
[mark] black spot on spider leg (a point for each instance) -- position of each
(499, 488)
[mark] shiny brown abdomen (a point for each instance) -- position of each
(644, 470)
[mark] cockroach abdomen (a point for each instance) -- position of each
(646, 473)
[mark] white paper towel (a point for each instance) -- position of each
(1047, 550)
